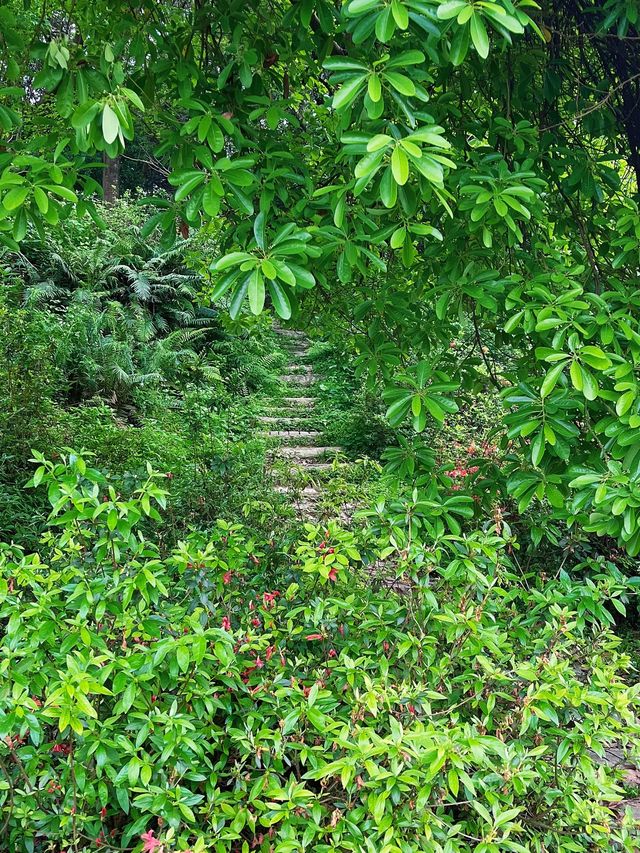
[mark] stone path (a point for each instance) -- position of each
(292, 423)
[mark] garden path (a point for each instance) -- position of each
(292, 422)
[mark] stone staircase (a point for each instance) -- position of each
(291, 423)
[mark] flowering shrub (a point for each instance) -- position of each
(234, 695)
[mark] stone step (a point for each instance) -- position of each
(293, 335)
(308, 493)
(299, 368)
(287, 437)
(300, 467)
(297, 379)
(288, 419)
(301, 452)
(307, 402)
(295, 421)
(292, 433)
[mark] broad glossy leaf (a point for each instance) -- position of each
(256, 292)
(259, 225)
(110, 124)
(399, 166)
(349, 91)
(479, 35)
(280, 299)
(551, 379)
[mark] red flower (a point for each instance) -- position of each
(255, 622)
(268, 598)
(333, 574)
(269, 652)
(103, 812)
(226, 623)
(259, 662)
(226, 577)
(411, 709)
(314, 637)
(150, 844)
(332, 653)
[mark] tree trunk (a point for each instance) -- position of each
(111, 179)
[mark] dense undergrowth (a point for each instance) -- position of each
(103, 347)
(188, 666)
(232, 693)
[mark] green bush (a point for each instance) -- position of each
(103, 348)
(233, 694)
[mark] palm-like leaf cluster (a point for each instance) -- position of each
(126, 313)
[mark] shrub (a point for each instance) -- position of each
(234, 694)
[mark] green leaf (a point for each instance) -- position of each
(550, 380)
(259, 229)
(624, 403)
(452, 9)
(15, 198)
(348, 92)
(400, 83)
(183, 657)
(85, 114)
(400, 14)
(374, 88)
(513, 321)
(189, 185)
(381, 140)
(434, 409)
(256, 292)
(385, 25)
(398, 410)
(590, 384)
(280, 300)
(284, 272)
(133, 97)
(211, 200)
(388, 188)
(595, 357)
(304, 278)
(62, 192)
(459, 45)
(41, 199)
(238, 297)
(399, 166)
(575, 372)
(231, 260)
(110, 124)
(479, 35)
(338, 63)
(537, 448)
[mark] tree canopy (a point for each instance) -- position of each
(409, 166)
